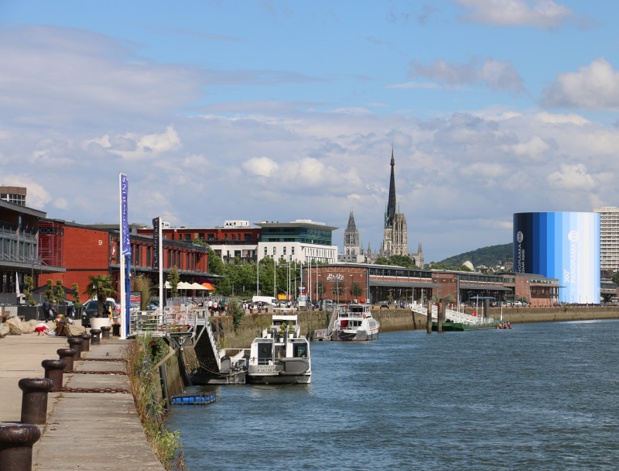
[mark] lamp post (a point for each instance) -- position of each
(337, 289)
(274, 278)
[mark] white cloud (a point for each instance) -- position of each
(496, 75)
(595, 86)
(261, 166)
(133, 146)
(553, 118)
(536, 147)
(572, 178)
(50, 75)
(545, 14)
(36, 194)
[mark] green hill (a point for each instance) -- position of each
(489, 256)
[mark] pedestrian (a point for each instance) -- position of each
(47, 310)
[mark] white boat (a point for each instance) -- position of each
(355, 322)
(281, 355)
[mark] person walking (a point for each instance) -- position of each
(47, 310)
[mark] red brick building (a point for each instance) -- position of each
(94, 250)
(386, 283)
(229, 242)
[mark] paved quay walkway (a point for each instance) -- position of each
(84, 430)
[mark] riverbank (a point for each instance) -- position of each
(393, 320)
(92, 422)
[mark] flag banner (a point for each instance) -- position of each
(124, 230)
(156, 242)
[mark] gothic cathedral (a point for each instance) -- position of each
(395, 239)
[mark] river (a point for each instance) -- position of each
(539, 396)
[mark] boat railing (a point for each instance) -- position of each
(168, 321)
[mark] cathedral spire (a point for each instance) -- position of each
(351, 222)
(391, 205)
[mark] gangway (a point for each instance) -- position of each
(452, 315)
(185, 326)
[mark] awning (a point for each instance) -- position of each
(208, 286)
(197, 286)
(184, 285)
(483, 287)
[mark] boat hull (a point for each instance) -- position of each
(279, 379)
(354, 336)
(460, 327)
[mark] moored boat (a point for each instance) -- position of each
(280, 355)
(355, 322)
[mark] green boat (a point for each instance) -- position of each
(461, 327)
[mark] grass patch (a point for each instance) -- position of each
(142, 355)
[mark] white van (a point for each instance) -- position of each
(265, 300)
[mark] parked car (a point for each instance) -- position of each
(90, 309)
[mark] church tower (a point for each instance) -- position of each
(395, 240)
(351, 240)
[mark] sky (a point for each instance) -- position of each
(282, 110)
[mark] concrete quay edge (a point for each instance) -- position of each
(83, 430)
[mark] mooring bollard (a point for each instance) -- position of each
(96, 336)
(34, 399)
(105, 331)
(68, 355)
(16, 442)
(76, 344)
(86, 338)
(54, 370)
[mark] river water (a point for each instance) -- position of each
(539, 396)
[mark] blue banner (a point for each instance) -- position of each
(124, 230)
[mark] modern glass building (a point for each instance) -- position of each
(562, 245)
(302, 240)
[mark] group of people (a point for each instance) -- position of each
(50, 313)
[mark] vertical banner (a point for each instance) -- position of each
(156, 241)
(157, 258)
(125, 256)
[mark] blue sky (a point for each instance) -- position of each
(281, 110)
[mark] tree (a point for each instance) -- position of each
(397, 260)
(101, 287)
(215, 263)
(76, 299)
(402, 261)
(616, 278)
(237, 312)
(144, 285)
(356, 290)
(28, 286)
(58, 291)
(174, 278)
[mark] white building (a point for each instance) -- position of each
(609, 238)
(302, 240)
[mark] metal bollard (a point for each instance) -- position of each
(86, 338)
(105, 331)
(54, 370)
(76, 344)
(68, 355)
(34, 399)
(16, 446)
(96, 336)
